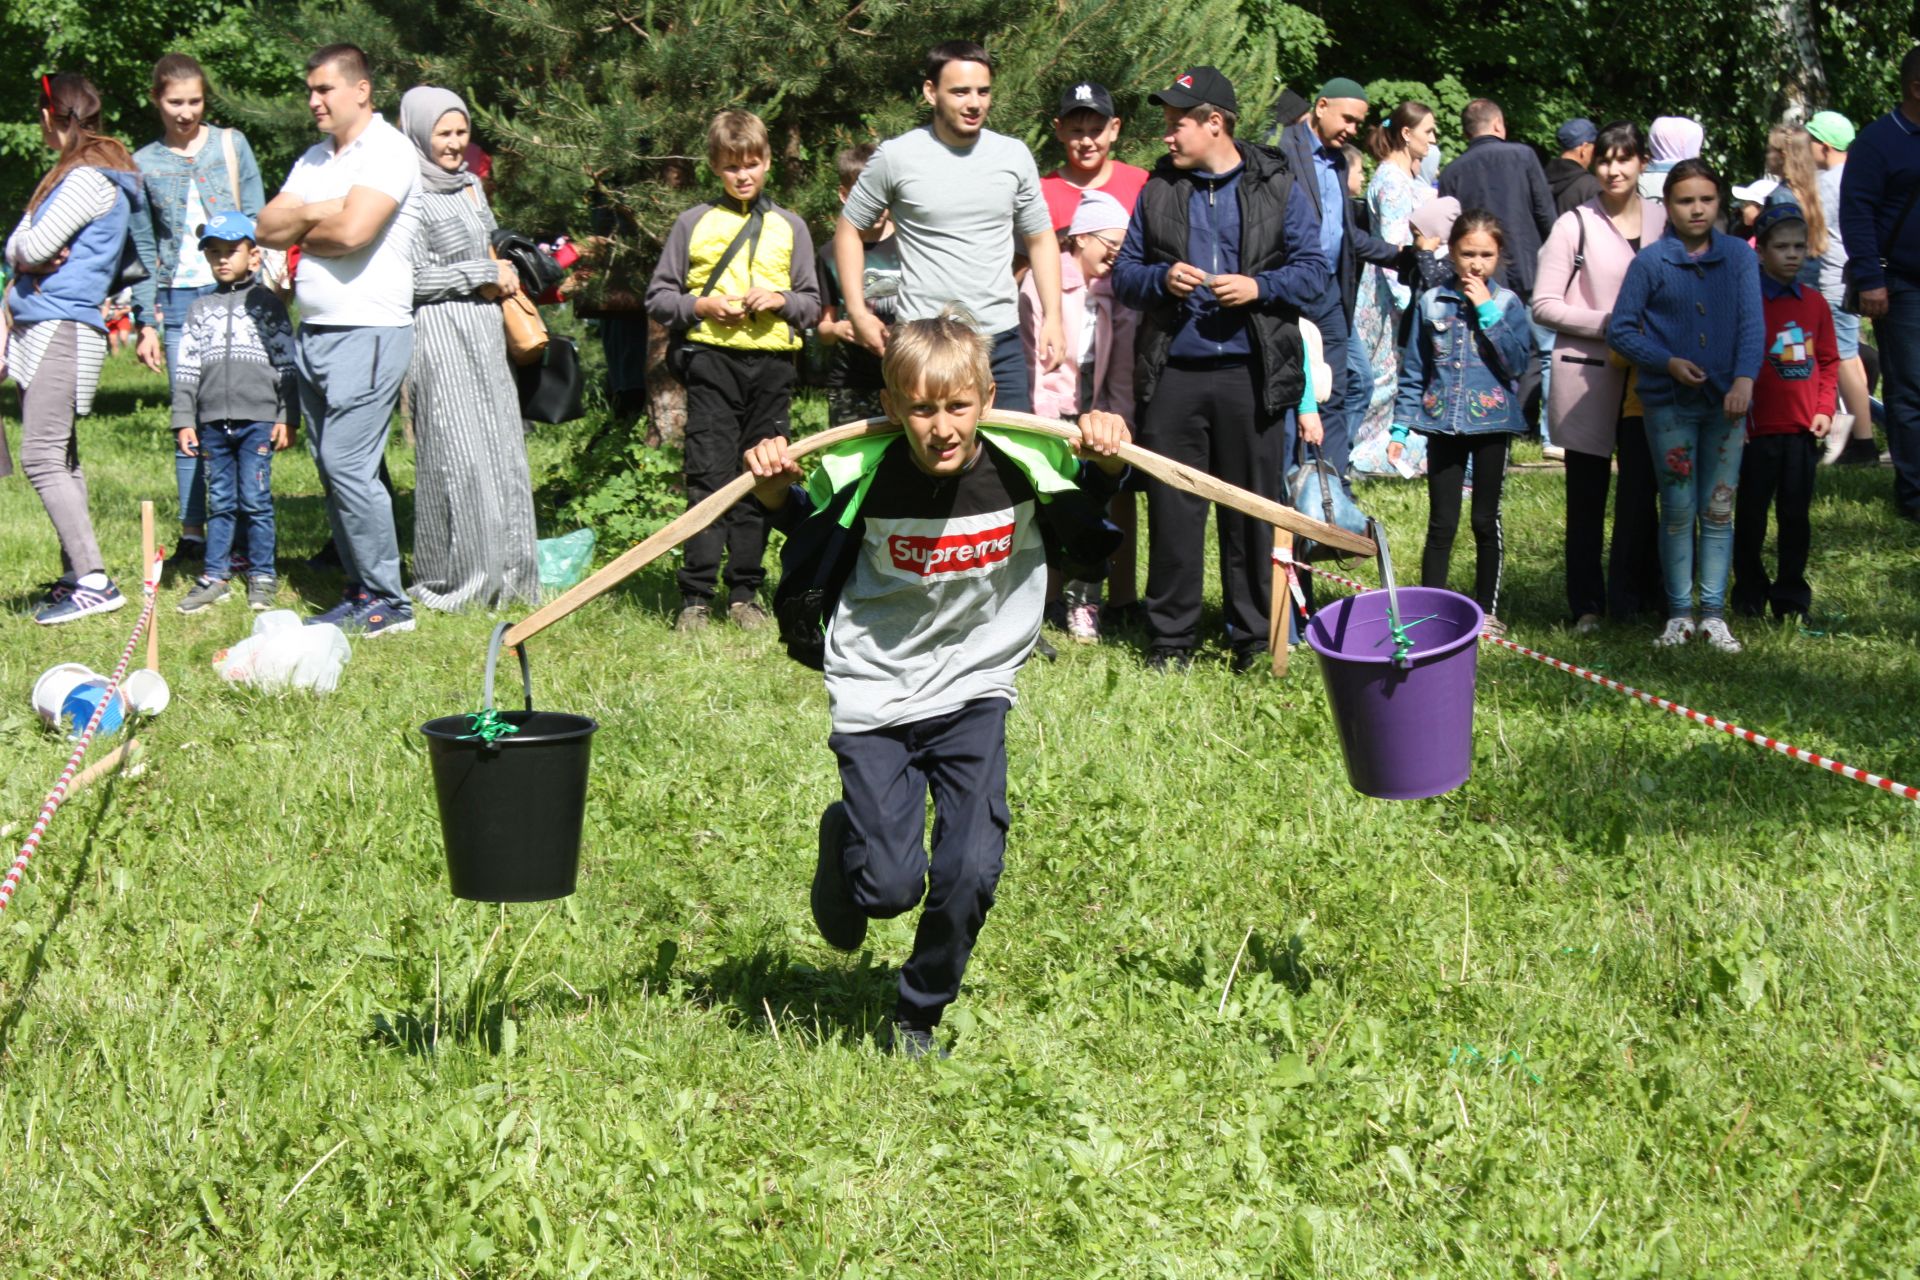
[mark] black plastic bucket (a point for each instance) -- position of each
(511, 809)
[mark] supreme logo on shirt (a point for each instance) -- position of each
(952, 553)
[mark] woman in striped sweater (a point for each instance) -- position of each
(66, 252)
(473, 535)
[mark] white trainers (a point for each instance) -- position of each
(1838, 436)
(1586, 624)
(1679, 631)
(1715, 632)
(1083, 623)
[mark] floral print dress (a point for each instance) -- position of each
(1392, 196)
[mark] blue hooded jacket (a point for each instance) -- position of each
(76, 290)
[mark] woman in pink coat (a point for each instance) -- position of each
(1591, 407)
(1097, 374)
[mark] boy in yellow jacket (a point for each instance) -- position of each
(736, 285)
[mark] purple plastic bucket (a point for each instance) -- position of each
(1407, 733)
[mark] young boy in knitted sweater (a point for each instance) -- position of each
(234, 404)
(914, 576)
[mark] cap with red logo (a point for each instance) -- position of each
(1196, 85)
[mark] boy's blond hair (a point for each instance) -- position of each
(937, 357)
(736, 134)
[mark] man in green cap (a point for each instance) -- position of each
(1851, 440)
(1316, 150)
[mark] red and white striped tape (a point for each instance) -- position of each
(1786, 749)
(57, 796)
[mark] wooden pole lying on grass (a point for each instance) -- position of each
(709, 509)
(146, 567)
(94, 772)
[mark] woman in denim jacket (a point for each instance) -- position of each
(1459, 387)
(190, 173)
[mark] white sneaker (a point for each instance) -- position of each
(1715, 631)
(1586, 624)
(1083, 623)
(1679, 631)
(1837, 437)
(1553, 453)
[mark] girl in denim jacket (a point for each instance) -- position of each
(1459, 387)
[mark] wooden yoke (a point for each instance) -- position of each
(716, 504)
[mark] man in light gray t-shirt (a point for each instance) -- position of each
(964, 200)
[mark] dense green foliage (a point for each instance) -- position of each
(596, 104)
(1637, 1001)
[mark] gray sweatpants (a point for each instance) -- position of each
(50, 452)
(350, 380)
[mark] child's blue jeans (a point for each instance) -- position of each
(237, 458)
(1696, 460)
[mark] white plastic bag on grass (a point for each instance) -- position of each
(282, 653)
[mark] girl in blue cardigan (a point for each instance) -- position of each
(1689, 317)
(1469, 342)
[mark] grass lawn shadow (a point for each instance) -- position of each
(847, 1005)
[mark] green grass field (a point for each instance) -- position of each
(1638, 1000)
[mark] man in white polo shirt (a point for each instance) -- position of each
(351, 204)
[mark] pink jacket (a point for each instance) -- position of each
(1056, 394)
(1589, 385)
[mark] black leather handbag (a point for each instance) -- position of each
(537, 268)
(552, 389)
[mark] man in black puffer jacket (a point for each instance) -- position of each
(1220, 260)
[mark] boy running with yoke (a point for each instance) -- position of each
(914, 576)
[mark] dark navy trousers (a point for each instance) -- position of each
(885, 776)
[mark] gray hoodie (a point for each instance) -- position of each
(236, 359)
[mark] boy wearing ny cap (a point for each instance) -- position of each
(1221, 256)
(234, 397)
(1087, 128)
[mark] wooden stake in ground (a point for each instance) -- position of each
(1282, 608)
(711, 508)
(146, 567)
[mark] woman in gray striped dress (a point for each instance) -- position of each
(473, 535)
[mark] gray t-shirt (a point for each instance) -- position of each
(957, 211)
(943, 604)
(1833, 284)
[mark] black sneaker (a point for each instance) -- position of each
(1861, 451)
(190, 554)
(1041, 649)
(1169, 658)
(260, 592)
(840, 922)
(915, 1042)
(352, 601)
(379, 618)
(1252, 659)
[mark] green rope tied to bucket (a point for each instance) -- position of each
(487, 726)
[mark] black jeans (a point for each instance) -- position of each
(735, 399)
(1446, 471)
(884, 778)
(1777, 472)
(1631, 582)
(1210, 418)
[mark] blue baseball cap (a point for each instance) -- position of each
(229, 224)
(1575, 133)
(1773, 215)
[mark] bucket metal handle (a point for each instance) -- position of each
(1403, 647)
(493, 660)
